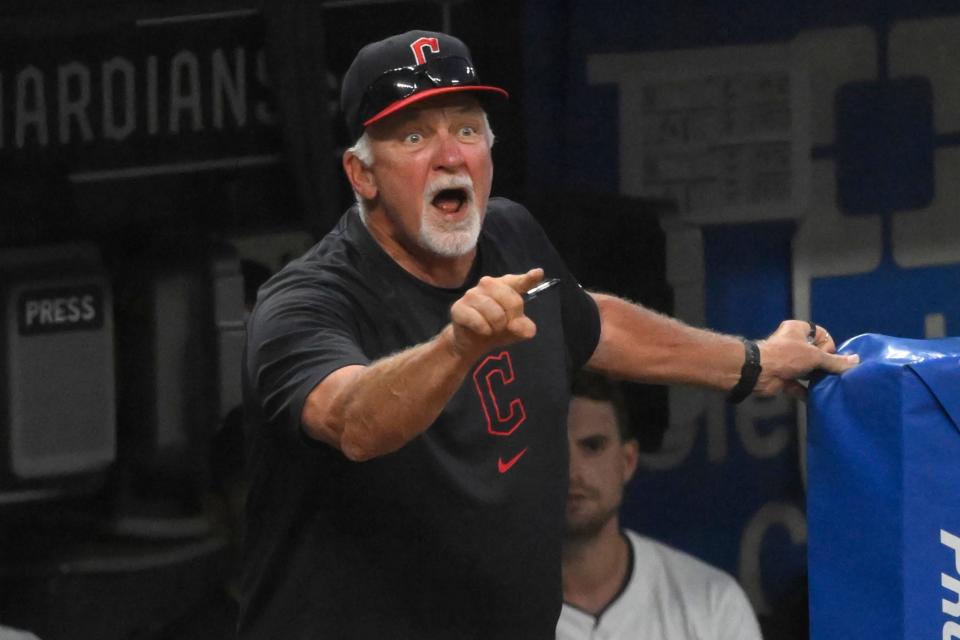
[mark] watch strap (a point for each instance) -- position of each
(749, 373)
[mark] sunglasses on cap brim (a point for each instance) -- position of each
(399, 84)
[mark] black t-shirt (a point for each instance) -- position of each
(458, 533)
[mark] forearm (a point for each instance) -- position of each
(379, 408)
(369, 411)
(643, 345)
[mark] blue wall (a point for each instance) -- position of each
(872, 245)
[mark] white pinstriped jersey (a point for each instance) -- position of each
(670, 596)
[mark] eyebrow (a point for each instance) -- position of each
(412, 114)
(468, 107)
(459, 107)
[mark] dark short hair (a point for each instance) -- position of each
(596, 386)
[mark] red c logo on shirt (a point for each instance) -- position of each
(496, 372)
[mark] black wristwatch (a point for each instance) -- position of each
(749, 373)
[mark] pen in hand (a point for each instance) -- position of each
(540, 288)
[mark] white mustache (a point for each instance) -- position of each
(450, 182)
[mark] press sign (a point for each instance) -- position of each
(60, 309)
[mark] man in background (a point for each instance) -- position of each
(616, 583)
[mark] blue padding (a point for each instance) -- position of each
(883, 472)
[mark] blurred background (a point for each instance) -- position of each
(731, 163)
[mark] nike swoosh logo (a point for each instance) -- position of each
(503, 467)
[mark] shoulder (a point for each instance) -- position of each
(503, 213)
(674, 558)
(334, 256)
(510, 225)
(691, 576)
(320, 276)
(574, 624)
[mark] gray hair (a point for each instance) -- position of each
(363, 150)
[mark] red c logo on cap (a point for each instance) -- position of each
(419, 46)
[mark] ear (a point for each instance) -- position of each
(630, 451)
(360, 176)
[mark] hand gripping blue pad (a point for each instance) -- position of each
(883, 494)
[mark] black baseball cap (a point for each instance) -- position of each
(388, 75)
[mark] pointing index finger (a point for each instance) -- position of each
(522, 282)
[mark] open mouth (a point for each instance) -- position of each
(450, 200)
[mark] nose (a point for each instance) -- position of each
(449, 156)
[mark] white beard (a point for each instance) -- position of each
(449, 239)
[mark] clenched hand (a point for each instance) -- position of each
(790, 353)
(491, 314)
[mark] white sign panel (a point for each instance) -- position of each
(722, 132)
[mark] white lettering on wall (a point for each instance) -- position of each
(153, 103)
(770, 515)
(120, 97)
(681, 436)
(122, 70)
(229, 86)
(931, 236)
(73, 104)
(59, 310)
(31, 109)
(185, 90)
(265, 115)
(774, 412)
(765, 427)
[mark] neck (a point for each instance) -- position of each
(439, 271)
(595, 568)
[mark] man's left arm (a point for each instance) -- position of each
(645, 346)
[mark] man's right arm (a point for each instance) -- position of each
(369, 411)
